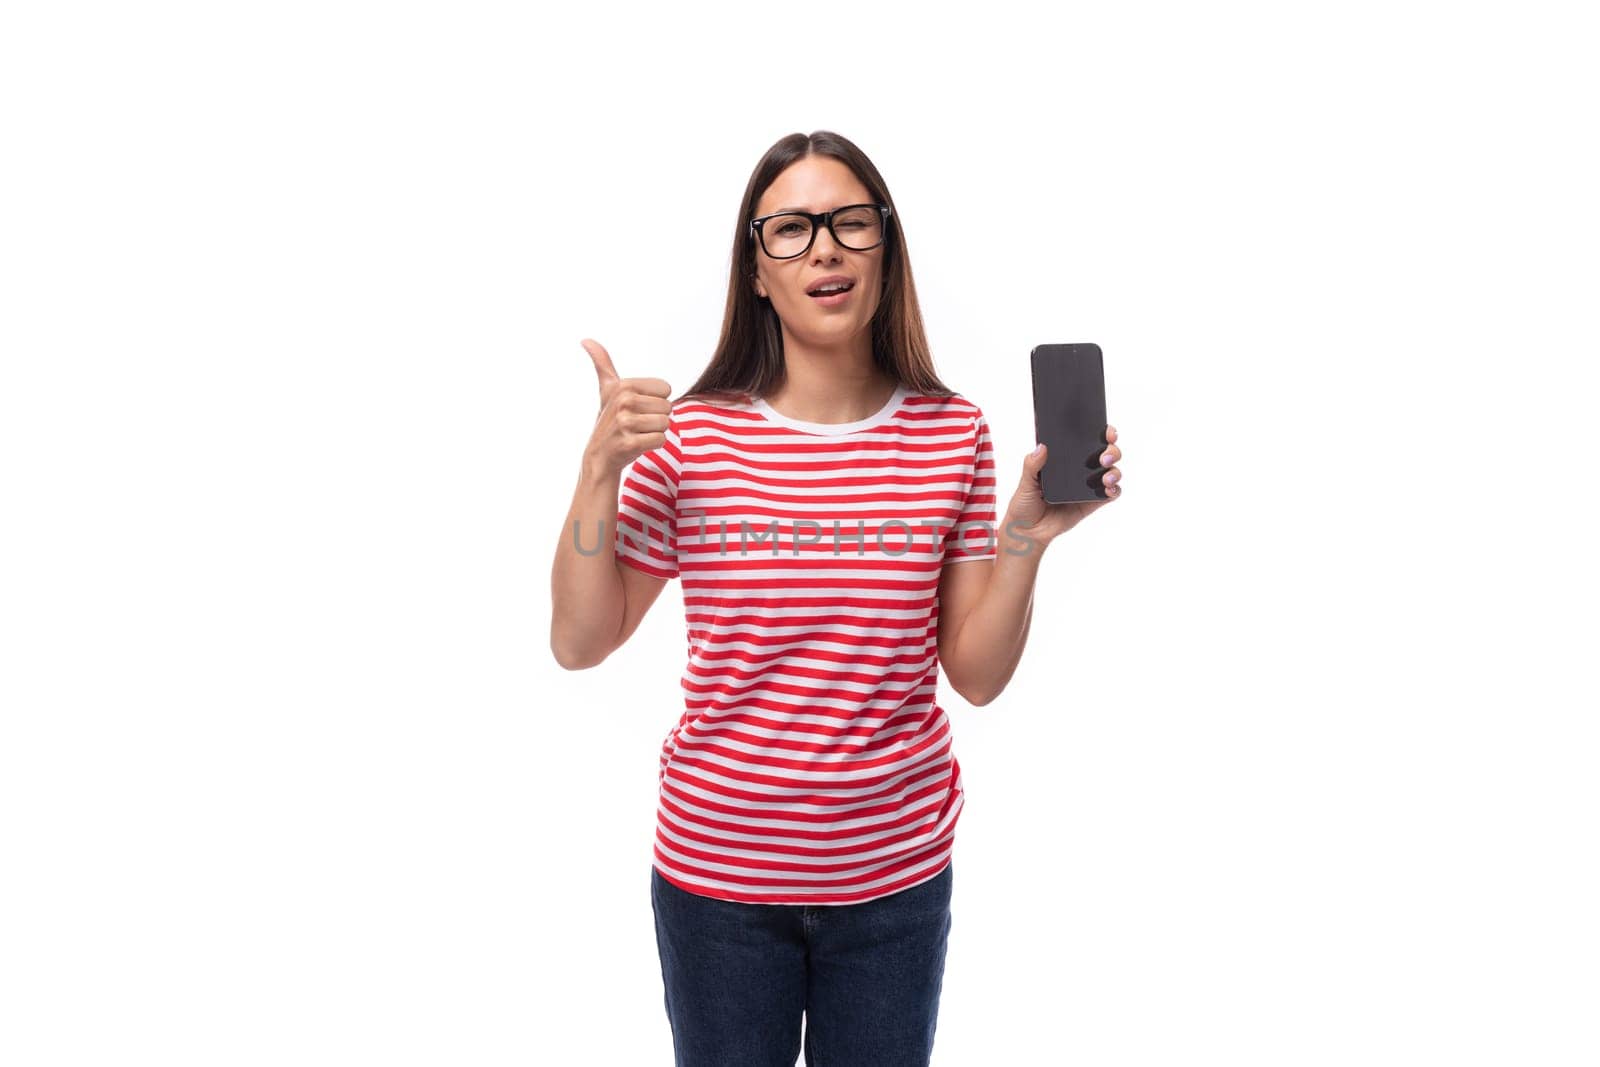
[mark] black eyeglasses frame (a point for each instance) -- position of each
(758, 231)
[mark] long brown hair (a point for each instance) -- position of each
(749, 357)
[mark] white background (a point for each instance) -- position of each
(1300, 764)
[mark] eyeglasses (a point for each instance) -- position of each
(788, 234)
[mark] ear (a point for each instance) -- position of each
(760, 289)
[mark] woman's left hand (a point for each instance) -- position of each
(1041, 522)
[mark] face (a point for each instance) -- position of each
(817, 184)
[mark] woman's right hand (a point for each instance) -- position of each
(632, 419)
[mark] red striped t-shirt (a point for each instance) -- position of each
(812, 763)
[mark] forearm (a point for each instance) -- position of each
(989, 644)
(586, 595)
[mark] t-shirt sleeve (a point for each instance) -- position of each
(975, 536)
(647, 507)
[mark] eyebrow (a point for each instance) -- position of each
(808, 211)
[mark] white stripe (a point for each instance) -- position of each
(838, 783)
(856, 711)
(731, 639)
(882, 742)
(871, 849)
(803, 815)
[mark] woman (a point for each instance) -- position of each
(829, 506)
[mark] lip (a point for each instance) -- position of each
(832, 299)
(826, 279)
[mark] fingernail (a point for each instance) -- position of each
(1111, 479)
(1038, 448)
(1105, 460)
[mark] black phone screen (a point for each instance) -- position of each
(1069, 416)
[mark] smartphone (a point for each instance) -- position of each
(1069, 417)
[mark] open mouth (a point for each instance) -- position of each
(831, 292)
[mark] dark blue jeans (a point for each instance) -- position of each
(866, 976)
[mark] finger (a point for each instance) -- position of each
(643, 423)
(647, 404)
(1111, 435)
(644, 442)
(1111, 477)
(1110, 456)
(650, 386)
(1033, 463)
(603, 368)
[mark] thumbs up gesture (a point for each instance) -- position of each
(632, 419)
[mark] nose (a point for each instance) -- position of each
(833, 250)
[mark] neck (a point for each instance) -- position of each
(837, 383)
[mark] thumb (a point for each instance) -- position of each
(602, 363)
(1032, 464)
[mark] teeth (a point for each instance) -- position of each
(837, 287)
